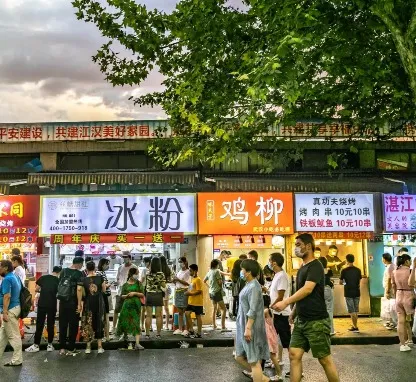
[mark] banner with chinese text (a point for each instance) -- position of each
(110, 214)
(342, 235)
(19, 218)
(117, 238)
(399, 213)
(334, 212)
(242, 241)
(239, 213)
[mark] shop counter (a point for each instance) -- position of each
(340, 307)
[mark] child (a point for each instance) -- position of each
(273, 341)
(195, 303)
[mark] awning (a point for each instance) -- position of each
(109, 178)
(5, 185)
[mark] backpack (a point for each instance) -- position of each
(65, 288)
(25, 301)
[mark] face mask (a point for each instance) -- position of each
(270, 265)
(299, 253)
(136, 277)
(242, 275)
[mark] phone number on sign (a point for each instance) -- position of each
(68, 228)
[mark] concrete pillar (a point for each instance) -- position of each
(204, 253)
(49, 161)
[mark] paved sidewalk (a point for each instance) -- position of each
(372, 331)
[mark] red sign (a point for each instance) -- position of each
(342, 235)
(96, 238)
(19, 218)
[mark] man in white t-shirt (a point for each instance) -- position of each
(114, 259)
(279, 291)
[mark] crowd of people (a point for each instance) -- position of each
(270, 318)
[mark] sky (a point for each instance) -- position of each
(46, 70)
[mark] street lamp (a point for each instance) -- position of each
(405, 189)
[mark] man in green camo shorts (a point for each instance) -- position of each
(312, 324)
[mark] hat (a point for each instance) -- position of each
(78, 260)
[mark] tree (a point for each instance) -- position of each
(232, 73)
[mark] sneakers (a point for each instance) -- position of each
(33, 349)
(177, 332)
(50, 348)
(247, 374)
(101, 350)
(196, 335)
(185, 333)
(276, 378)
(138, 347)
(88, 351)
(409, 343)
(354, 330)
(404, 348)
(269, 365)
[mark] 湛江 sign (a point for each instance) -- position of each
(109, 214)
(399, 213)
(334, 212)
(245, 213)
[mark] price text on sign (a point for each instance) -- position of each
(245, 213)
(334, 212)
(399, 213)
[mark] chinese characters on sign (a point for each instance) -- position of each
(106, 214)
(245, 213)
(242, 241)
(84, 131)
(334, 212)
(342, 235)
(96, 238)
(399, 213)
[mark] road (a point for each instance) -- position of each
(370, 363)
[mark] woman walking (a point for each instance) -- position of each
(251, 341)
(182, 281)
(214, 281)
(155, 289)
(329, 292)
(103, 266)
(129, 319)
(238, 285)
(168, 276)
(93, 312)
(401, 279)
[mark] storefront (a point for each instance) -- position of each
(399, 231)
(107, 225)
(341, 224)
(19, 219)
(241, 222)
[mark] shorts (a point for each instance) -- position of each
(217, 297)
(181, 300)
(312, 335)
(353, 304)
(154, 299)
(119, 304)
(282, 326)
(404, 302)
(198, 310)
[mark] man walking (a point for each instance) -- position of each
(195, 303)
(350, 278)
(312, 326)
(70, 306)
(9, 313)
(280, 290)
(47, 285)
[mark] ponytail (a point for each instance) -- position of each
(401, 260)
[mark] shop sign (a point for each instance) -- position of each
(96, 238)
(334, 212)
(399, 213)
(19, 218)
(245, 213)
(242, 241)
(342, 235)
(109, 214)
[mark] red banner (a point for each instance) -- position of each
(96, 238)
(342, 235)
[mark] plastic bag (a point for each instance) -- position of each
(385, 309)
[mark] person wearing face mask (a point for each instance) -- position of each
(114, 260)
(132, 292)
(312, 326)
(103, 266)
(251, 346)
(403, 285)
(122, 275)
(182, 280)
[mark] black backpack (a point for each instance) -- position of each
(65, 287)
(25, 300)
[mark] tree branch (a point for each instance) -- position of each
(411, 29)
